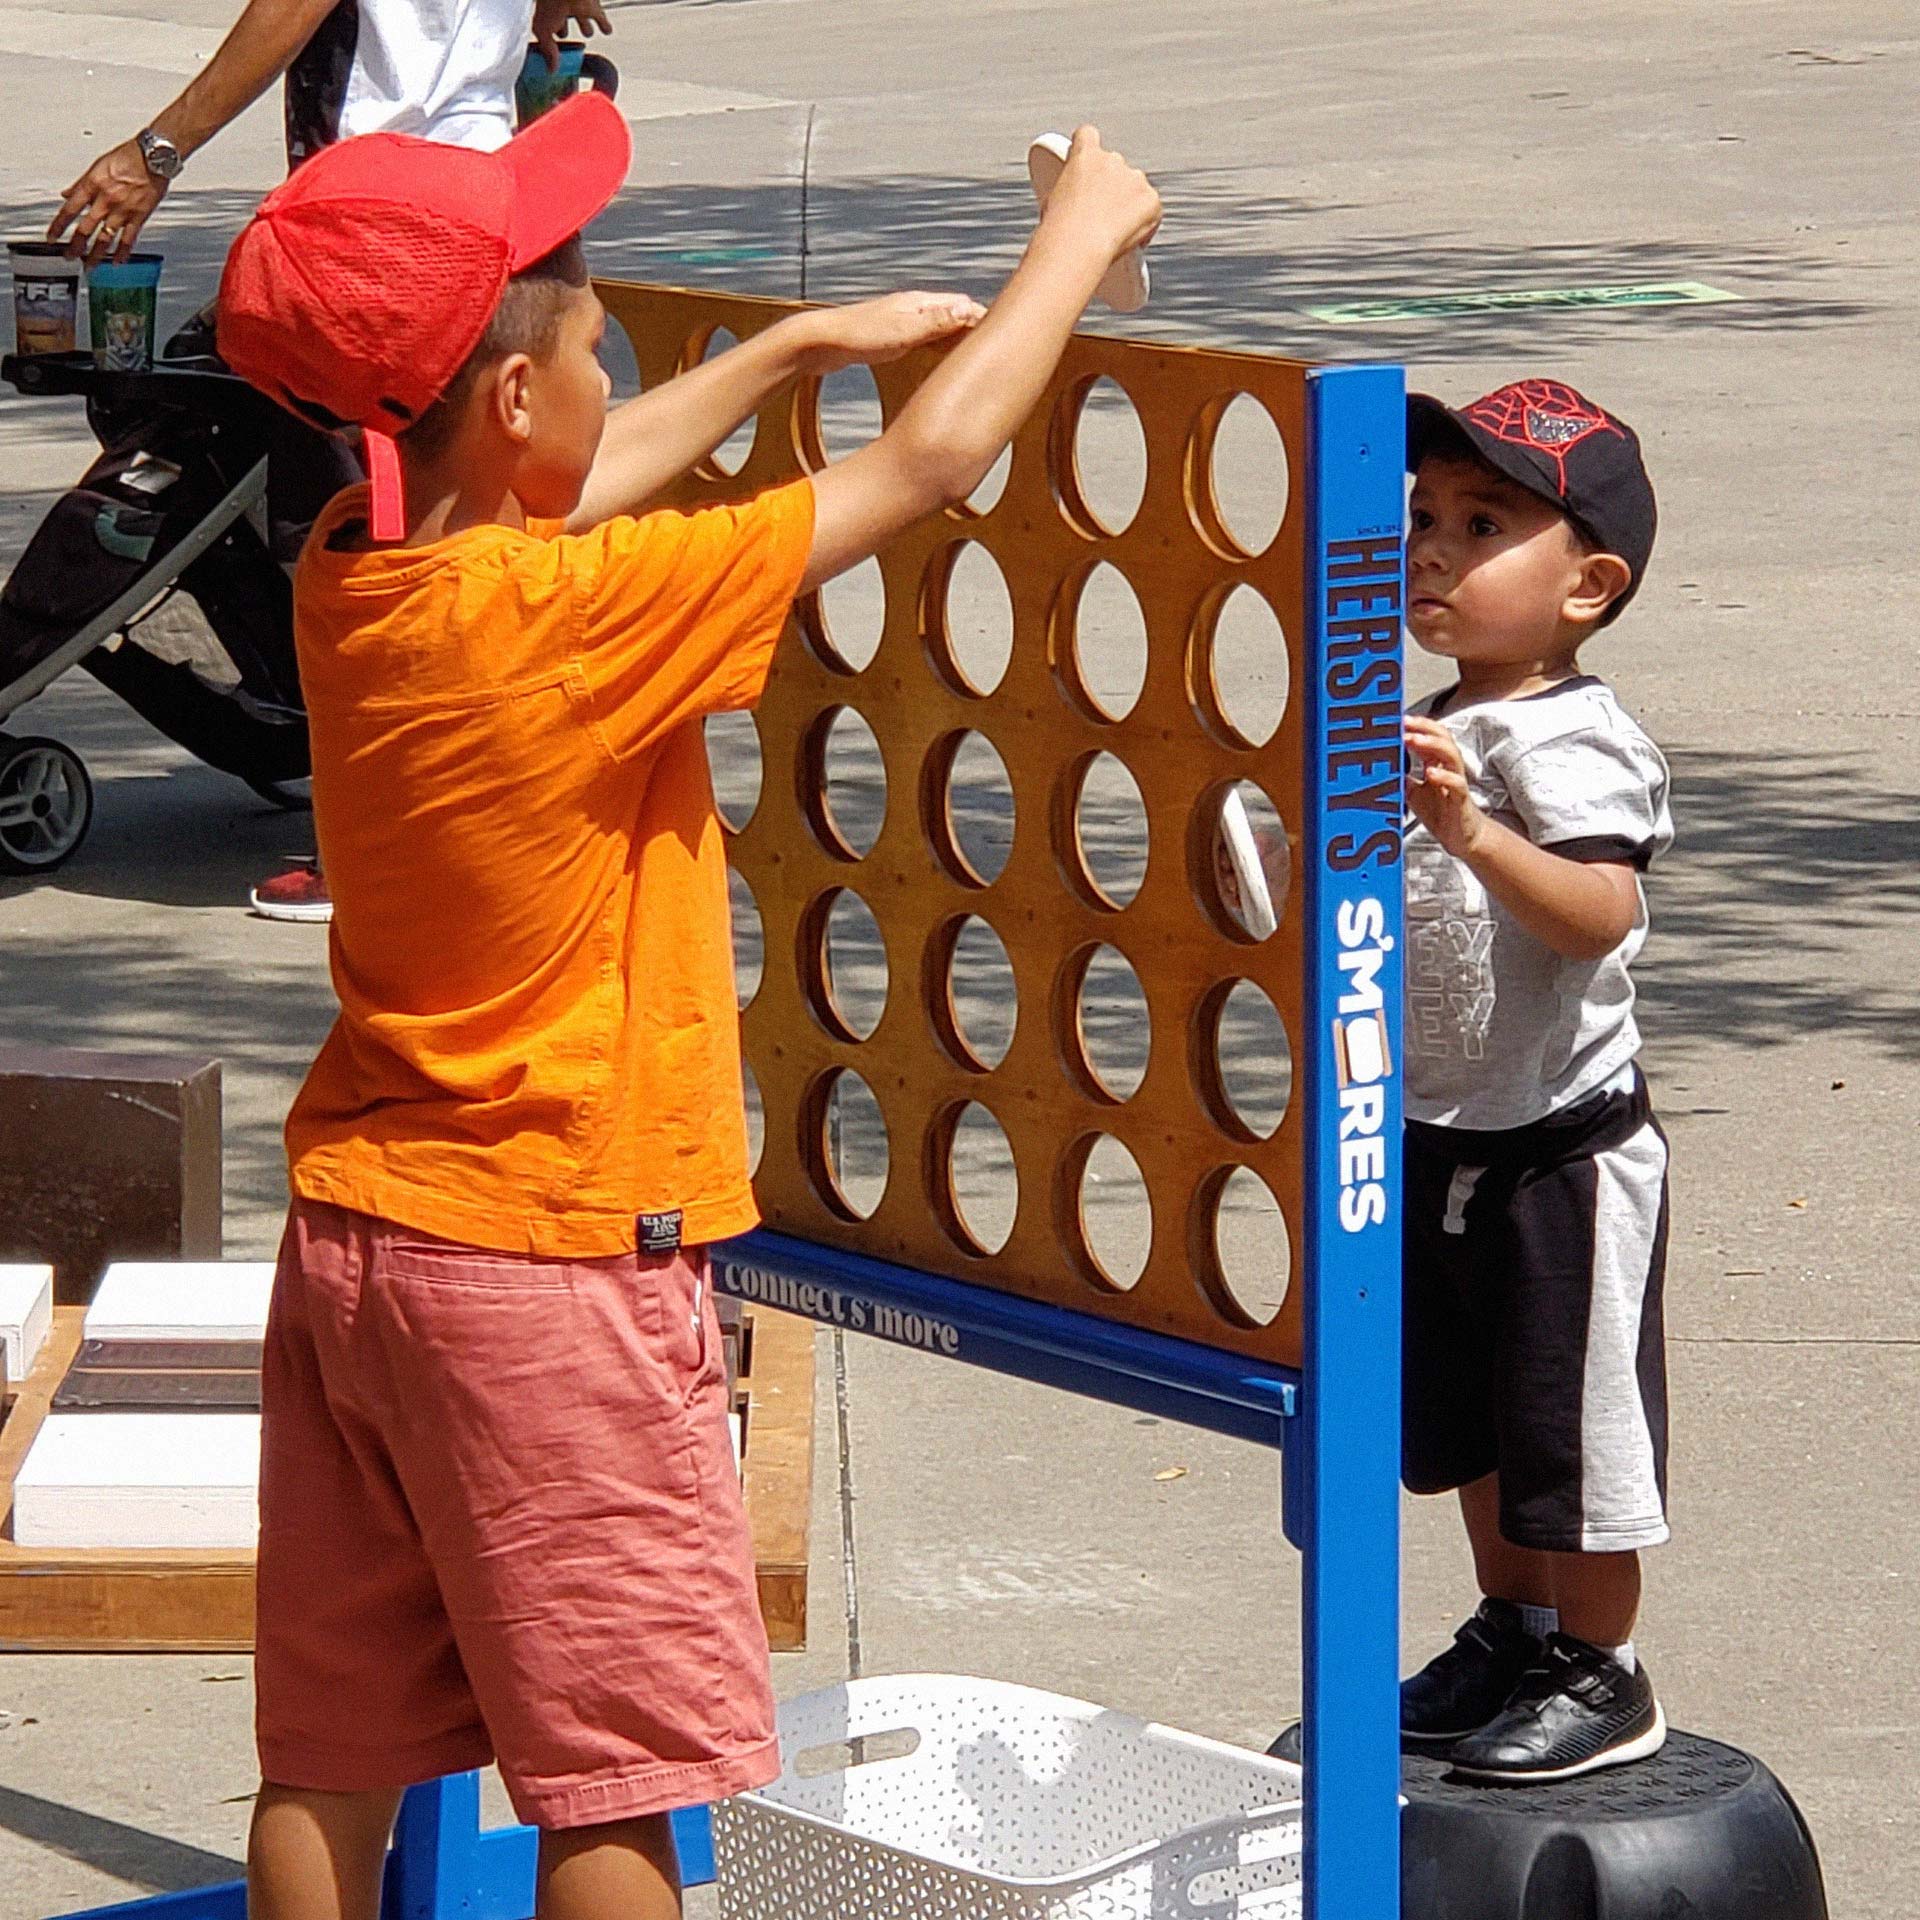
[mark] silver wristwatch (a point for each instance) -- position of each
(164, 160)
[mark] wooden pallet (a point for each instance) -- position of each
(95, 1600)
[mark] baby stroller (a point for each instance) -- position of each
(164, 574)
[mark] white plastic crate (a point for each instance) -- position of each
(931, 1797)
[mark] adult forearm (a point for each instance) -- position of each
(654, 438)
(256, 52)
(1581, 911)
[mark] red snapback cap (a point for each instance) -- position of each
(360, 287)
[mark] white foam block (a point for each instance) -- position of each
(182, 1300)
(26, 1315)
(140, 1480)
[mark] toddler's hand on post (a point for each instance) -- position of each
(1104, 198)
(1440, 797)
(872, 332)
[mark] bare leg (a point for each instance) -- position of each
(1505, 1572)
(623, 1870)
(318, 1856)
(1598, 1595)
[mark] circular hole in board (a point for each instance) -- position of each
(1110, 828)
(978, 619)
(847, 1150)
(1115, 1027)
(1247, 668)
(1115, 1212)
(623, 368)
(1109, 643)
(1247, 1041)
(1245, 865)
(855, 971)
(985, 995)
(749, 939)
(986, 1183)
(756, 1115)
(1249, 474)
(734, 763)
(1252, 1260)
(1109, 458)
(853, 611)
(855, 776)
(733, 452)
(986, 496)
(850, 413)
(971, 809)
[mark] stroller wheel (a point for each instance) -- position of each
(46, 805)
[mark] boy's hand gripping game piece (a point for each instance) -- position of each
(1127, 283)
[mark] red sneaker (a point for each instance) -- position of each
(300, 893)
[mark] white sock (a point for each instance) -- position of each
(1539, 1621)
(1622, 1655)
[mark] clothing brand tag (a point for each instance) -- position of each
(660, 1232)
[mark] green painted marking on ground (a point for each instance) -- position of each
(1446, 306)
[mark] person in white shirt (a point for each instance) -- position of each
(441, 69)
(438, 69)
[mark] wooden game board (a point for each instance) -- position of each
(1055, 905)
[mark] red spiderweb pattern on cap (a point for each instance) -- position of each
(1547, 415)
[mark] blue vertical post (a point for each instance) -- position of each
(1347, 1474)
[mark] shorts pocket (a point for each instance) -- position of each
(688, 1335)
(447, 1263)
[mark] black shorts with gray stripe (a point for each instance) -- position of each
(1535, 1264)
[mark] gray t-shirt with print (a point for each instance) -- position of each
(1501, 1030)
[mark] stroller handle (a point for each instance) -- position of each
(45, 375)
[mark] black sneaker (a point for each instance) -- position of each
(1457, 1692)
(1575, 1711)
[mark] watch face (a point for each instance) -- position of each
(161, 155)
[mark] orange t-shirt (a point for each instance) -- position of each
(537, 1038)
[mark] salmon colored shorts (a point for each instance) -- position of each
(500, 1518)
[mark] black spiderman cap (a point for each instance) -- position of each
(1555, 442)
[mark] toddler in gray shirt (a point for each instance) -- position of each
(1535, 1188)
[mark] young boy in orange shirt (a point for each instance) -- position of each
(500, 1517)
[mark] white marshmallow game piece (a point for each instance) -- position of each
(1127, 282)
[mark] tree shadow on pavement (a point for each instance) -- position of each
(1238, 266)
(132, 1854)
(1790, 875)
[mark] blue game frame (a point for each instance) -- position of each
(1336, 1422)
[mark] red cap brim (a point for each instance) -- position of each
(566, 168)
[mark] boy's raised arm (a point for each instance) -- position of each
(952, 430)
(650, 441)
